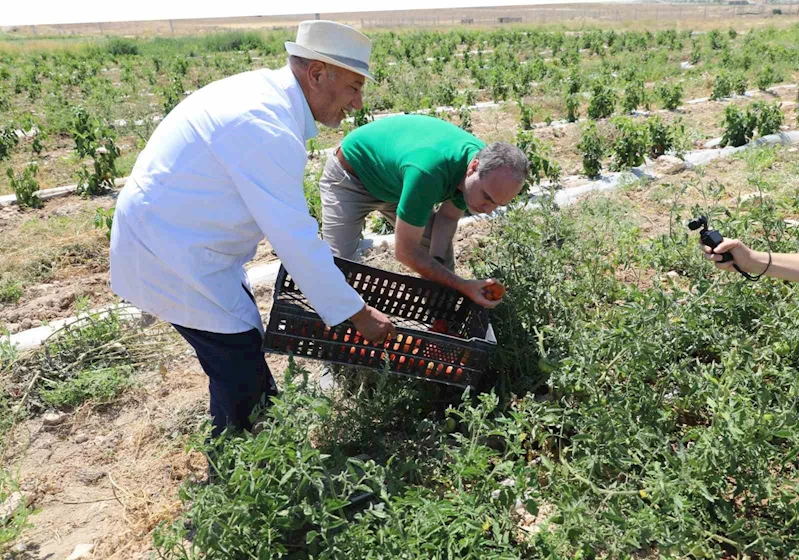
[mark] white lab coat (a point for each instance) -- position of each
(222, 171)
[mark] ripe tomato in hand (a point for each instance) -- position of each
(494, 292)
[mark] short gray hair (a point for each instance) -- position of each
(298, 61)
(501, 155)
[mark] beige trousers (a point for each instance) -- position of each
(345, 205)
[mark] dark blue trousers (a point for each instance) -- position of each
(237, 371)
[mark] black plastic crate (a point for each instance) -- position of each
(413, 304)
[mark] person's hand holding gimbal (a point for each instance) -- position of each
(733, 254)
(742, 255)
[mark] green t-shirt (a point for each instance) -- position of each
(413, 160)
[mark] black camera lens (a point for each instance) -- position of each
(697, 223)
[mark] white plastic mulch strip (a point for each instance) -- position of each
(267, 273)
(34, 337)
(55, 192)
(701, 157)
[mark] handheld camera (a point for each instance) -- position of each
(709, 237)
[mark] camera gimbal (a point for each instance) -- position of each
(709, 237)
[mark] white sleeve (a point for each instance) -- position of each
(267, 164)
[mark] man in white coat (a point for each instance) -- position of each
(222, 171)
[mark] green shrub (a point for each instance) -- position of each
(671, 95)
(119, 46)
(603, 100)
(172, 94)
(526, 116)
(739, 126)
(180, 66)
(104, 219)
(499, 87)
(541, 164)
(574, 82)
(380, 225)
(768, 76)
(95, 385)
(10, 291)
(665, 138)
(593, 148)
(634, 95)
(8, 140)
(722, 86)
(233, 41)
(572, 107)
(632, 143)
(93, 138)
(739, 83)
(362, 116)
(469, 98)
(769, 117)
(445, 93)
(465, 115)
(26, 186)
(696, 54)
(31, 124)
(8, 351)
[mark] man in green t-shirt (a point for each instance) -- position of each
(403, 167)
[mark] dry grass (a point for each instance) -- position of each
(30, 234)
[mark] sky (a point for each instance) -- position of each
(41, 12)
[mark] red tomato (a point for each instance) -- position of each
(494, 292)
(439, 326)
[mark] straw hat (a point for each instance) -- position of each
(333, 43)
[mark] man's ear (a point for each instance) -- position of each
(316, 73)
(472, 167)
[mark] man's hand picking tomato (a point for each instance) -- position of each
(486, 293)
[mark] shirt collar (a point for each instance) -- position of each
(294, 90)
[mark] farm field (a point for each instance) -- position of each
(640, 403)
